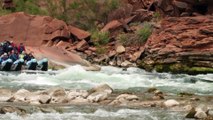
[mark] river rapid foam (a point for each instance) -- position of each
(76, 77)
(135, 79)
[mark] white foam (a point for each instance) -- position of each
(124, 114)
(76, 77)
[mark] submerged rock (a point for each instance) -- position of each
(80, 100)
(91, 67)
(151, 90)
(12, 109)
(47, 110)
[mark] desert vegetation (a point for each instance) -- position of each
(82, 13)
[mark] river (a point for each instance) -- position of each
(131, 79)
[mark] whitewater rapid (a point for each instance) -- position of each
(135, 79)
(100, 114)
(76, 77)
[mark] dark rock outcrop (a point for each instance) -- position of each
(7, 4)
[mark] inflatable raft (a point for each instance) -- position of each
(18, 65)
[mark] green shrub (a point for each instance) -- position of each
(28, 6)
(134, 23)
(144, 33)
(58, 9)
(156, 16)
(82, 13)
(112, 4)
(101, 50)
(137, 38)
(126, 39)
(86, 13)
(122, 38)
(74, 5)
(4, 12)
(100, 38)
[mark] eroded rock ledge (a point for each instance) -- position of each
(181, 45)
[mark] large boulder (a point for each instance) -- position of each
(58, 56)
(101, 88)
(182, 45)
(57, 94)
(30, 29)
(73, 94)
(97, 96)
(120, 49)
(79, 100)
(20, 96)
(79, 33)
(77, 96)
(99, 93)
(124, 99)
(37, 98)
(198, 113)
(115, 24)
(171, 103)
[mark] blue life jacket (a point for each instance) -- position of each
(14, 57)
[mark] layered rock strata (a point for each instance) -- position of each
(181, 45)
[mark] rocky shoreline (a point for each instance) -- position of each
(55, 99)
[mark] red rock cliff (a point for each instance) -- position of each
(31, 30)
(181, 43)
